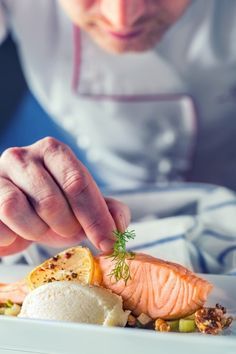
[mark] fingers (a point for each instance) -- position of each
(83, 195)
(120, 213)
(54, 240)
(17, 246)
(17, 214)
(7, 237)
(11, 243)
(47, 202)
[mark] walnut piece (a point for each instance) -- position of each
(161, 325)
(132, 321)
(212, 320)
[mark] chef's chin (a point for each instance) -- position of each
(116, 46)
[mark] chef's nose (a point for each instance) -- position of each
(122, 13)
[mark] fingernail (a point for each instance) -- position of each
(124, 221)
(106, 245)
(6, 240)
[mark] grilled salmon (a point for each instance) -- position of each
(157, 288)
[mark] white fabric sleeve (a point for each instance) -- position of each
(3, 23)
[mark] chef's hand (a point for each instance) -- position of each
(48, 196)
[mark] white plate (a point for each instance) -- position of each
(51, 337)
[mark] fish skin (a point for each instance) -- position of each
(158, 288)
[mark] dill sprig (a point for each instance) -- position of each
(120, 255)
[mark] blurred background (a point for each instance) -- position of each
(12, 83)
(19, 110)
(22, 119)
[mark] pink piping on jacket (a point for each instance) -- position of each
(77, 58)
(131, 98)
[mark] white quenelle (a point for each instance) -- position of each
(69, 301)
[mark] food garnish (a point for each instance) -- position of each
(75, 264)
(144, 319)
(174, 325)
(120, 255)
(9, 308)
(209, 320)
(212, 320)
(187, 325)
(162, 325)
(132, 321)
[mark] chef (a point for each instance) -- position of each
(147, 91)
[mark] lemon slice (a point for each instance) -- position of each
(74, 264)
(97, 274)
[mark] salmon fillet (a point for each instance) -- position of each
(157, 288)
(16, 292)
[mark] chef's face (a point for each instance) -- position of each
(121, 26)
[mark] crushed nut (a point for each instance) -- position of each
(132, 321)
(161, 325)
(212, 320)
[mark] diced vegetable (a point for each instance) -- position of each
(144, 319)
(10, 309)
(2, 310)
(9, 303)
(174, 325)
(13, 311)
(186, 326)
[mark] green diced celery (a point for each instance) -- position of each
(186, 325)
(9, 303)
(174, 325)
(2, 310)
(12, 311)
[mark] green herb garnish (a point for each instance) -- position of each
(120, 255)
(9, 303)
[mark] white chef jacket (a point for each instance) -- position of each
(141, 118)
